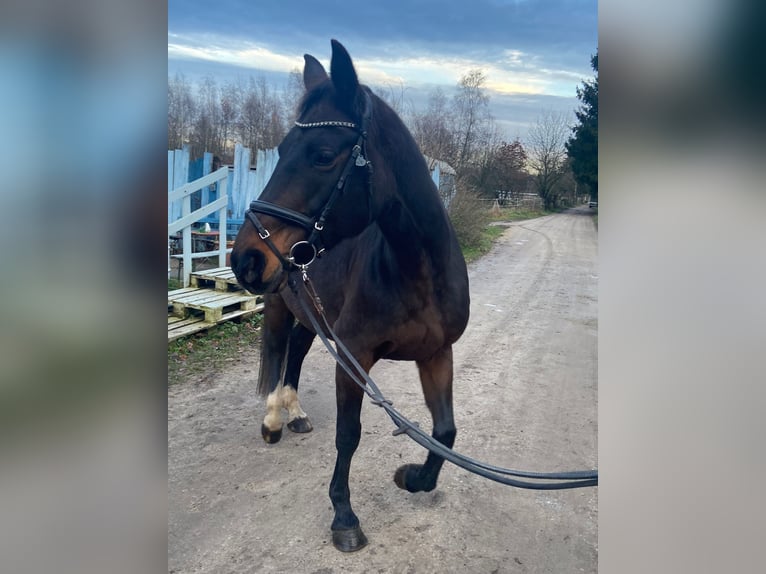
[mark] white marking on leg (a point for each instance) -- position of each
(273, 418)
(290, 402)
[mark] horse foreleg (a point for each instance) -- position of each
(277, 323)
(436, 379)
(347, 535)
(299, 344)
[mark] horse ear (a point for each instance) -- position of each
(343, 73)
(313, 72)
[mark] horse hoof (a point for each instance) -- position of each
(407, 478)
(400, 476)
(271, 436)
(349, 540)
(300, 424)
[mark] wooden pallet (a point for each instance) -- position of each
(195, 322)
(213, 297)
(220, 279)
(214, 304)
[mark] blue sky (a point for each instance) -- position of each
(533, 52)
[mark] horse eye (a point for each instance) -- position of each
(325, 158)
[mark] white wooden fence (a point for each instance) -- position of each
(184, 224)
(237, 186)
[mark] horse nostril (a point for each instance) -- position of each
(248, 266)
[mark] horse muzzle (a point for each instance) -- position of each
(249, 266)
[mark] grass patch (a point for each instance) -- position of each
(210, 350)
(174, 284)
(511, 214)
(490, 233)
(484, 243)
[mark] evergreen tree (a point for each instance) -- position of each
(582, 147)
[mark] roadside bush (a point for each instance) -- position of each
(470, 217)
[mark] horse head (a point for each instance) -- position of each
(320, 191)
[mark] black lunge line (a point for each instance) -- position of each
(574, 479)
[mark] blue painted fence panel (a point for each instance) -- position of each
(243, 184)
(178, 175)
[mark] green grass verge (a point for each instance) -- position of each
(488, 237)
(492, 232)
(203, 352)
(508, 214)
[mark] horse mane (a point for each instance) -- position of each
(420, 208)
(419, 217)
(399, 145)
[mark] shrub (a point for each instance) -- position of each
(470, 217)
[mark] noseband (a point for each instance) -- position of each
(304, 252)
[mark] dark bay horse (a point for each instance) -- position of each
(352, 186)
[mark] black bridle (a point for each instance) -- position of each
(303, 253)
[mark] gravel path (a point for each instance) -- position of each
(525, 398)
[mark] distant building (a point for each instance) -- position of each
(443, 175)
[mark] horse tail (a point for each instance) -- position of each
(264, 387)
(265, 382)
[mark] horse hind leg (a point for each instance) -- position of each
(282, 351)
(299, 344)
(297, 420)
(436, 379)
(284, 397)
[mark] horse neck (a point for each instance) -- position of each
(414, 220)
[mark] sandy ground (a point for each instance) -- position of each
(525, 398)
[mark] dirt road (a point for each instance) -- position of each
(525, 398)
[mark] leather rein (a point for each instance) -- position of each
(344, 358)
(303, 253)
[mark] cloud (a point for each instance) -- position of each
(514, 72)
(534, 54)
(242, 53)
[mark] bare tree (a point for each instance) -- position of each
(273, 126)
(207, 125)
(250, 114)
(181, 111)
(472, 117)
(230, 106)
(250, 111)
(394, 95)
(511, 166)
(261, 124)
(481, 171)
(547, 156)
(433, 129)
(292, 95)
